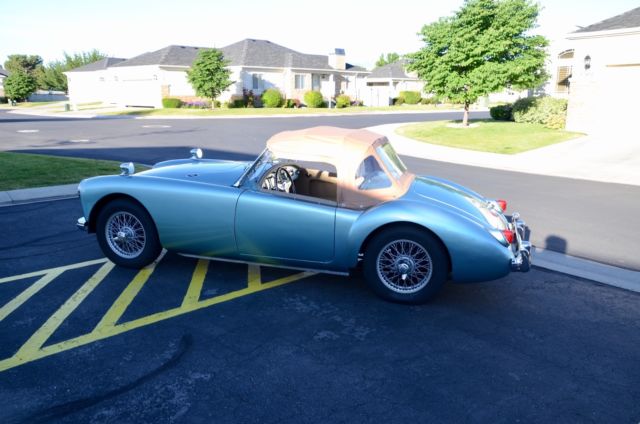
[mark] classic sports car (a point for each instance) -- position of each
(324, 199)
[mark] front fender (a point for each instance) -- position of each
(475, 254)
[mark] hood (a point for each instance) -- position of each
(448, 194)
(203, 171)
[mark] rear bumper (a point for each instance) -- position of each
(82, 224)
(521, 261)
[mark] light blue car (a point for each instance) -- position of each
(323, 199)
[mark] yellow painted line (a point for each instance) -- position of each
(47, 271)
(103, 332)
(27, 293)
(126, 297)
(35, 342)
(197, 280)
(254, 279)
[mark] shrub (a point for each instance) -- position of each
(410, 97)
(291, 103)
(357, 103)
(398, 101)
(313, 99)
(171, 103)
(433, 100)
(271, 98)
(3, 100)
(343, 101)
(501, 112)
(550, 112)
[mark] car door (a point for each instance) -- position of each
(285, 226)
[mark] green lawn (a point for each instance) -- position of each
(278, 111)
(488, 136)
(22, 170)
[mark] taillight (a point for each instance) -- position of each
(509, 235)
(502, 204)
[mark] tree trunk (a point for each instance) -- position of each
(465, 117)
(213, 103)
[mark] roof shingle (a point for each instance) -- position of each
(629, 19)
(98, 65)
(395, 70)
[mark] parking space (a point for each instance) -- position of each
(206, 341)
(107, 301)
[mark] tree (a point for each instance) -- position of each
(483, 48)
(22, 62)
(52, 77)
(19, 85)
(391, 58)
(208, 74)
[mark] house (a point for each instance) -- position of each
(603, 64)
(90, 83)
(254, 64)
(386, 82)
(3, 74)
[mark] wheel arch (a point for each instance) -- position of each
(404, 224)
(100, 204)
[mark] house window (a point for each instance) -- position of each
(315, 82)
(299, 82)
(256, 81)
(562, 84)
(567, 54)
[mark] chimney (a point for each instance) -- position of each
(337, 59)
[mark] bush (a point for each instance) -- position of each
(19, 85)
(410, 97)
(398, 101)
(343, 101)
(550, 112)
(433, 100)
(3, 100)
(501, 112)
(291, 103)
(171, 103)
(313, 99)
(271, 98)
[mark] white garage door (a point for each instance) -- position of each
(139, 93)
(619, 94)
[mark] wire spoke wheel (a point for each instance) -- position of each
(125, 235)
(404, 266)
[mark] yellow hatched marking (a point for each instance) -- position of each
(28, 292)
(106, 331)
(50, 270)
(254, 276)
(35, 342)
(197, 280)
(126, 297)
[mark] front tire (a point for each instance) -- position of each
(405, 265)
(127, 235)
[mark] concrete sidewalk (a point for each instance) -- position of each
(590, 157)
(38, 194)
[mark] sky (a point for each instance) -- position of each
(365, 29)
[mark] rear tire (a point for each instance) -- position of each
(127, 235)
(405, 265)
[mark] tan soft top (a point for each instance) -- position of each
(345, 149)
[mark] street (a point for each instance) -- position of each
(103, 345)
(206, 341)
(581, 218)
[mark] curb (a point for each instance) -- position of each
(38, 194)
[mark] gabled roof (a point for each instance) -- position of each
(4, 72)
(629, 19)
(248, 52)
(395, 70)
(98, 65)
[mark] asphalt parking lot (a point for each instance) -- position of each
(200, 341)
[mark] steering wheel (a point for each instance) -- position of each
(284, 182)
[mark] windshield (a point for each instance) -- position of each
(391, 160)
(266, 159)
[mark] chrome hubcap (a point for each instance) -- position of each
(404, 266)
(125, 235)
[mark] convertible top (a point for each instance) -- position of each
(324, 143)
(345, 149)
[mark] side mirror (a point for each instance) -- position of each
(196, 153)
(127, 168)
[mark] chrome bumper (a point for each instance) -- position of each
(82, 224)
(522, 255)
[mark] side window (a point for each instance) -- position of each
(370, 175)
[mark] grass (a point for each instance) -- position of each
(277, 111)
(25, 170)
(489, 136)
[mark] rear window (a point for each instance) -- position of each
(391, 160)
(371, 176)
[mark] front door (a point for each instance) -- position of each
(283, 226)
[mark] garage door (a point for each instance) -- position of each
(145, 93)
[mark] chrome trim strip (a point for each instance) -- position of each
(188, 255)
(82, 224)
(522, 256)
